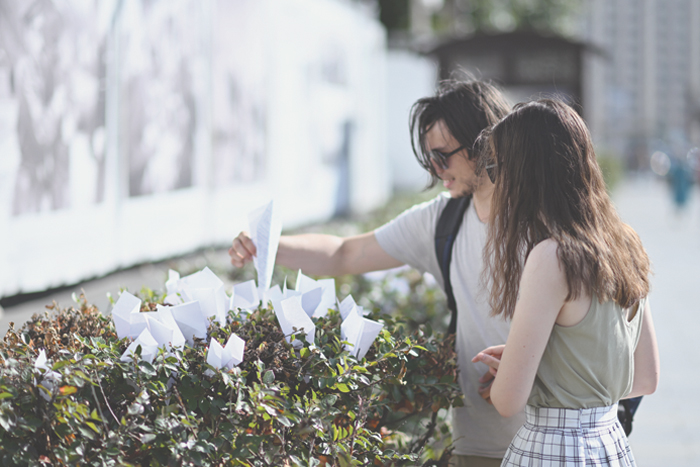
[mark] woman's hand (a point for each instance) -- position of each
(491, 356)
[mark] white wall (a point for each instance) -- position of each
(409, 77)
(309, 70)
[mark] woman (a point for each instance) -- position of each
(581, 336)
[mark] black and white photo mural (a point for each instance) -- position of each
(52, 102)
(137, 130)
(239, 68)
(160, 50)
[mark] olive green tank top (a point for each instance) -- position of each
(589, 364)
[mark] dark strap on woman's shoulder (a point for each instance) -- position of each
(445, 233)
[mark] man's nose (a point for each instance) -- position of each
(437, 167)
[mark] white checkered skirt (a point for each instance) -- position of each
(570, 437)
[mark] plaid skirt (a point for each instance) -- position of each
(570, 437)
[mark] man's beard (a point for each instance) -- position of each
(469, 188)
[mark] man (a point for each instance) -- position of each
(444, 129)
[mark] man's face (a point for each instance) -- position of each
(458, 177)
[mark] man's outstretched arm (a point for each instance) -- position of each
(320, 254)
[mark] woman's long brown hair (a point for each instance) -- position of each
(549, 185)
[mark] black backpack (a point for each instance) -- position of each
(448, 225)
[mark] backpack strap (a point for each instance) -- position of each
(445, 233)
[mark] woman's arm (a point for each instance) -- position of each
(542, 292)
(646, 359)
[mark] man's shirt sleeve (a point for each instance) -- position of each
(410, 238)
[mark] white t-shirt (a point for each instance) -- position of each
(477, 428)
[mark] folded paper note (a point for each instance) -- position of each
(126, 316)
(360, 333)
(49, 378)
(149, 348)
(292, 316)
(191, 321)
(265, 230)
(228, 356)
(326, 299)
(165, 316)
(203, 286)
(245, 296)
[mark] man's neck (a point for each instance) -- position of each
(482, 200)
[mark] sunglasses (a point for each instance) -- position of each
(440, 158)
(491, 172)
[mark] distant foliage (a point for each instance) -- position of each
(467, 16)
(613, 169)
(314, 406)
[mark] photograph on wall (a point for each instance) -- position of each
(52, 103)
(160, 52)
(239, 72)
(331, 125)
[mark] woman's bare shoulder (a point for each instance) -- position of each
(544, 254)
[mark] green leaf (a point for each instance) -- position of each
(269, 377)
(5, 395)
(342, 387)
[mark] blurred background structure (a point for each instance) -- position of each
(135, 131)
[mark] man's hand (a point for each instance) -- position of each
(492, 357)
(485, 386)
(242, 250)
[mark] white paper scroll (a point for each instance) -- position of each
(265, 230)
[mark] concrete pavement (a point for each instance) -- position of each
(667, 426)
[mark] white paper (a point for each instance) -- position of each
(203, 286)
(265, 230)
(227, 356)
(235, 348)
(165, 316)
(360, 333)
(149, 348)
(215, 354)
(213, 302)
(191, 321)
(48, 379)
(311, 300)
(326, 298)
(171, 283)
(291, 315)
(346, 306)
(245, 296)
(125, 312)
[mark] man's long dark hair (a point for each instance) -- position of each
(549, 185)
(466, 107)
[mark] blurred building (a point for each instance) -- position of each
(645, 89)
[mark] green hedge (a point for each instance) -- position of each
(314, 406)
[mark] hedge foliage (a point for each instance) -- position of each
(314, 406)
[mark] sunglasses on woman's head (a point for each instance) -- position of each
(491, 172)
